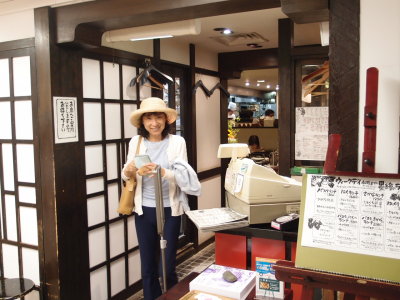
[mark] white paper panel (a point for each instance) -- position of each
(209, 198)
(5, 120)
(134, 267)
(8, 169)
(5, 78)
(91, 78)
(116, 238)
(117, 276)
(94, 159)
(25, 163)
(112, 164)
(11, 217)
(29, 229)
(1, 219)
(128, 73)
(208, 125)
(92, 121)
(111, 80)
(98, 284)
(33, 295)
(23, 120)
(113, 121)
(95, 210)
(132, 237)
(94, 185)
(22, 76)
(30, 258)
(97, 246)
(113, 200)
(129, 129)
(27, 194)
(145, 91)
(10, 261)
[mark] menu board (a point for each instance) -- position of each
(311, 140)
(350, 225)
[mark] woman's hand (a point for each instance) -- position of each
(130, 170)
(147, 170)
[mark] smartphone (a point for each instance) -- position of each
(141, 160)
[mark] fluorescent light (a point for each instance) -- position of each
(152, 38)
(187, 27)
(260, 81)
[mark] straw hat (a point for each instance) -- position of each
(152, 104)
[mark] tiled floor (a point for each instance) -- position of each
(196, 263)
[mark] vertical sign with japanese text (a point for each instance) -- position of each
(65, 119)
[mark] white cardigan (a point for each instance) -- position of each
(176, 149)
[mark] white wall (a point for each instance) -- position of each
(22, 24)
(380, 48)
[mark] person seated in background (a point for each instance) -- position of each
(254, 144)
(246, 115)
(269, 119)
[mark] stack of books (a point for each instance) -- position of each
(211, 281)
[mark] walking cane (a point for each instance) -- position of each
(160, 223)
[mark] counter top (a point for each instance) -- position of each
(263, 231)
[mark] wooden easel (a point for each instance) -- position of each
(353, 287)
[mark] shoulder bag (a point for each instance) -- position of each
(127, 200)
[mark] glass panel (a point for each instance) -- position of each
(11, 218)
(129, 129)
(128, 73)
(30, 259)
(94, 159)
(145, 92)
(111, 80)
(10, 261)
(117, 276)
(91, 78)
(22, 76)
(27, 194)
(5, 120)
(8, 168)
(23, 120)
(97, 246)
(25, 163)
(132, 237)
(134, 267)
(95, 210)
(113, 200)
(5, 78)
(94, 185)
(113, 121)
(112, 165)
(208, 125)
(29, 229)
(116, 238)
(92, 121)
(98, 284)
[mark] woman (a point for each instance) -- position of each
(254, 144)
(153, 121)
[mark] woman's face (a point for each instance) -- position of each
(154, 123)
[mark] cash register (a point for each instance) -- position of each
(257, 191)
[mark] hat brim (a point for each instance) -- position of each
(135, 117)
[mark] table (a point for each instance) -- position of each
(182, 287)
(14, 288)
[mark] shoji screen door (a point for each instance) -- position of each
(19, 253)
(113, 248)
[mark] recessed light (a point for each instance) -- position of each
(268, 86)
(247, 83)
(254, 45)
(224, 30)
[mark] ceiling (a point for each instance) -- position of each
(265, 24)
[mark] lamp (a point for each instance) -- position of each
(156, 31)
(233, 150)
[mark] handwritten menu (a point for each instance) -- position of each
(311, 140)
(65, 119)
(352, 214)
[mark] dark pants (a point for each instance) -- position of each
(149, 247)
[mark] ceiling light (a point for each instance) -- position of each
(156, 31)
(247, 83)
(224, 30)
(258, 84)
(260, 81)
(277, 87)
(254, 45)
(268, 86)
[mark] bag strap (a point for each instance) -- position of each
(138, 145)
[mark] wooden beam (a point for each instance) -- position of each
(86, 22)
(309, 11)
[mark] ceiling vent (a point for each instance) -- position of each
(240, 39)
